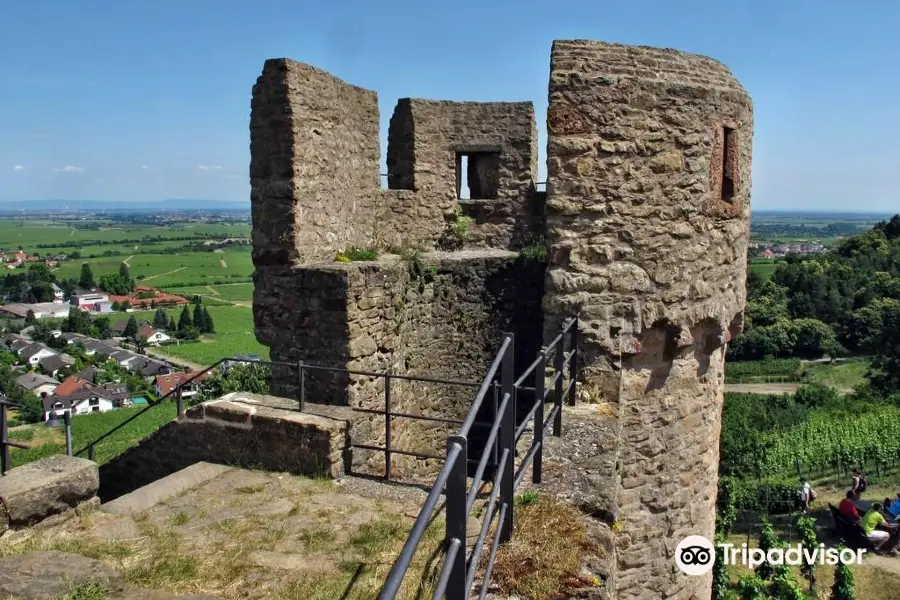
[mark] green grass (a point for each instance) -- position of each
(168, 270)
(235, 334)
(87, 428)
(765, 267)
(30, 233)
(235, 292)
(846, 374)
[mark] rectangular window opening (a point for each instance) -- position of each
(477, 175)
(728, 163)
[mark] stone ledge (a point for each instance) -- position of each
(43, 575)
(46, 487)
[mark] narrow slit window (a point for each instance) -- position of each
(477, 175)
(729, 166)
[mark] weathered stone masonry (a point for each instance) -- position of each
(649, 250)
(646, 223)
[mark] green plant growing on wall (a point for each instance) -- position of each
(354, 254)
(535, 250)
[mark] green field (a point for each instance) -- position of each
(87, 428)
(168, 270)
(842, 375)
(764, 266)
(234, 335)
(61, 236)
(231, 292)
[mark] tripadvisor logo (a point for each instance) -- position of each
(695, 555)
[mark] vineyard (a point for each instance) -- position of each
(790, 369)
(829, 441)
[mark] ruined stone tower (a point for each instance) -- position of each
(645, 218)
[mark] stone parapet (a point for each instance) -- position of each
(44, 488)
(240, 429)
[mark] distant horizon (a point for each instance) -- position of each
(211, 203)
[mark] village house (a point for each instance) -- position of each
(152, 336)
(189, 382)
(34, 352)
(37, 384)
(78, 397)
(52, 365)
(149, 297)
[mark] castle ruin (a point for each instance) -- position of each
(645, 219)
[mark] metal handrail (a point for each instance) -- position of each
(457, 573)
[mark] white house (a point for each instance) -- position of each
(79, 403)
(152, 336)
(58, 294)
(37, 384)
(33, 353)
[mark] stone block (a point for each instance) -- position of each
(37, 490)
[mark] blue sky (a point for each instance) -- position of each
(117, 100)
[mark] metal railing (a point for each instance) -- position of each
(5, 442)
(459, 569)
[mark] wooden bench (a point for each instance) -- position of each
(850, 532)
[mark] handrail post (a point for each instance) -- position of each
(4, 437)
(179, 401)
(559, 368)
(508, 434)
(539, 374)
(67, 417)
(457, 518)
(573, 360)
(301, 385)
(387, 425)
(90, 450)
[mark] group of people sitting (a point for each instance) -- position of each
(879, 523)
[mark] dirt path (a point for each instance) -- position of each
(761, 388)
(166, 273)
(770, 388)
(212, 290)
(175, 360)
(126, 263)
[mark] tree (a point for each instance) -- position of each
(199, 318)
(131, 328)
(844, 587)
(252, 378)
(104, 330)
(159, 319)
(172, 326)
(86, 280)
(210, 326)
(32, 409)
(78, 321)
(29, 317)
(185, 321)
(124, 272)
(884, 372)
(42, 332)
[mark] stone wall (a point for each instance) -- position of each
(440, 314)
(241, 429)
(314, 168)
(647, 226)
(425, 140)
